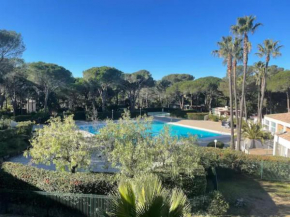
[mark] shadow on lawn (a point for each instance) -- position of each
(18, 202)
(257, 201)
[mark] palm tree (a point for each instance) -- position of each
(145, 197)
(253, 132)
(225, 51)
(259, 70)
(270, 48)
(237, 57)
(242, 28)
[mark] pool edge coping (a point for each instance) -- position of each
(199, 128)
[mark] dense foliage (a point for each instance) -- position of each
(14, 140)
(266, 167)
(60, 143)
(132, 145)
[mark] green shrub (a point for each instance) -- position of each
(20, 118)
(5, 124)
(13, 146)
(40, 117)
(219, 144)
(217, 204)
(212, 204)
(7, 134)
(272, 167)
(135, 114)
(192, 186)
(178, 114)
(196, 116)
(213, 118)
(24, 128)
(32, 178)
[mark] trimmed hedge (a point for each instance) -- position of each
(22, 128)
(13, 146)
(196, 116)
(117, 115)
(39, 117)
(192, 186)
(7, 134)
(32, 178)
(22, 177)
(219, 144)
(213, 118)
(178, 114)
(189, 114)
(265, 167)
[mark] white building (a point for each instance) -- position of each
(31, 106)
(279, 126)
(223, 111)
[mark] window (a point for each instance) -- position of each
(273, 127)
(266, 124)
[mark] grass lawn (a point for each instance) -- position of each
(262, 198)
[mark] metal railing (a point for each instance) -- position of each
(53, 204)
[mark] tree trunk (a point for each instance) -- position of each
(132, 103)
(258, 106)
(246, 112)
(288, 106)
(263, 88)
(46, 99)
(235, 91)
(181, 102)
(229, 66)
(103, 94)
(209, 103)
(245, 62)
(73, 169)
(94, 112)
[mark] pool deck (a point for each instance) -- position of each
(210, 126)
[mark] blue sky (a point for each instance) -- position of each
(162, 36)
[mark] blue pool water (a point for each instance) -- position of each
(157, 126)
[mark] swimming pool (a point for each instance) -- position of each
(157, 126)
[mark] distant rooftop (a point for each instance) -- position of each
(285, 117)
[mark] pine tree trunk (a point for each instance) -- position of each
(46, 99)
(103, 94)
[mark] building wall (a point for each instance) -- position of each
(281, 146)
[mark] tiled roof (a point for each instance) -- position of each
(285, 117)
